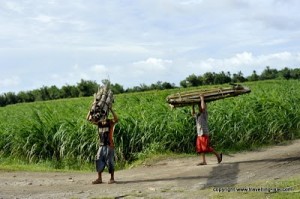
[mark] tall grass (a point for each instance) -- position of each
(57, 130)
(268, 115)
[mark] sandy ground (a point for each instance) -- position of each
(172, 178)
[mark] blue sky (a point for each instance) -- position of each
(55, 42)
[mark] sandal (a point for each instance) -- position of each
(220, 159)
(201, 163)
(98, 181)
(111, 181)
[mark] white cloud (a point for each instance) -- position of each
(9, 82)
(12, 6)
(282, 56)
(69, 76)
(44, 18)
(143, 41)
(108, 47)
(190, 2)
(246, 62)
(99, 69)
(152, 65)
(240, 59)
(75, 74)
(12, 81)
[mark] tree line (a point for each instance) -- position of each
(210, 78)
(86, 88)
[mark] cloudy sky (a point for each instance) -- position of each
(133, 42)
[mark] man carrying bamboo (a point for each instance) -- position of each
(202, 142)
(105, 154)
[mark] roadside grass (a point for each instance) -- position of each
(146, 158)
(11, 164)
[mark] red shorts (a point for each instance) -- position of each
(202, 144)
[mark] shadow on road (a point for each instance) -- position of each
(223, 174)
(227, 173)
(163, 179)
(288, 159)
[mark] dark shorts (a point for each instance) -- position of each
(105, 157)
(202, 144)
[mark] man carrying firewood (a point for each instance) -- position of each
(105, 154)
(202, 142)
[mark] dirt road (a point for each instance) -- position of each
(179, 178)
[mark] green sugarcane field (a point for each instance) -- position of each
(57, 131)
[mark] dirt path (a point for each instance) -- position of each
(179, 178)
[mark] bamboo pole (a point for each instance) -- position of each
(193, 97)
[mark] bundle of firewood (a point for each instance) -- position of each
(103, 100)
(193, 97)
